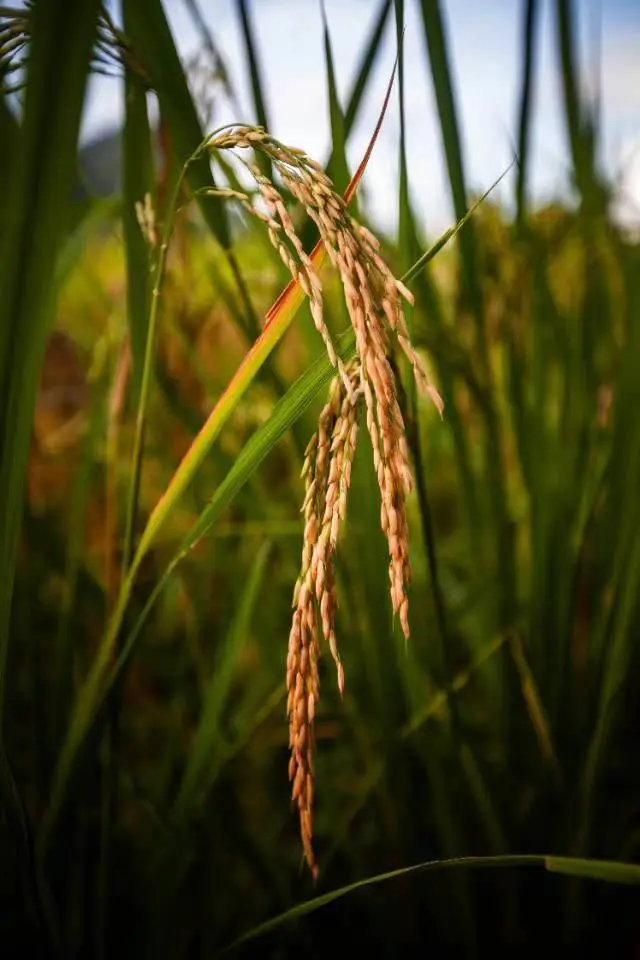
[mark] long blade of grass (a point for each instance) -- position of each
(451, 232)
(366, 65)
(40, 178)
(494, 461)
(338, 168)
(591, 869)
(528, 45)
(406, 224)
(409, 252)
(441, 73)
(259, 101)
(137, 183)
(614, 634)
(579, 127)
(354, 100)
(147, 366)
(151, 38)
(33, 229)
(430, 308)
(439, 60)
(535, 707)
(609, 871)
(448, 826)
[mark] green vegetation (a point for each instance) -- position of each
(477, 786)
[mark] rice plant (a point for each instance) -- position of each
(183, 367)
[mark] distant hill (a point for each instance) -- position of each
(100, 163)
(100, 172)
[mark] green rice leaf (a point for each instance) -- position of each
(151, 38)
(137, 183)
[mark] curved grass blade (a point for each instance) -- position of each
(590, 869)
(450, 233)
(608, 870)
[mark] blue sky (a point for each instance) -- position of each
(485, 47)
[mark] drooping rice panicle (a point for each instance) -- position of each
(374, 299)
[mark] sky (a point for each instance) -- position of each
(484, 43)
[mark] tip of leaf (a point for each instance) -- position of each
(437, 400)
